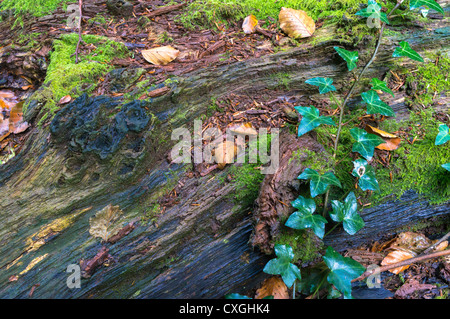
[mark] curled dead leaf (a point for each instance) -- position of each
(65, 99)
(296, 23)
(250, 23)
(160, 55)
(397, 256)
(273, 286)
(392, 142)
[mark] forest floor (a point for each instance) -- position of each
(150, 27)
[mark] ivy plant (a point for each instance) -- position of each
(337, 271)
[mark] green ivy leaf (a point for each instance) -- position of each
(366, 174)
(380, 86)
(405, 50)
(365, 142)
(343, 271)
(375, 104)
(282, 265)
(373, 11)
(347, 213)
(311, 119)
(351, 57)
(319, 183)
(305, 218)
(443, 135)
(414, 4)
(446, 166)
(325, 84)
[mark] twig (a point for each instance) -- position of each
(402, 263)
(426, 251)
(80, 3)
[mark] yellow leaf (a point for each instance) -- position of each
(273, 286)
(296, 23)
(249, 24)
(160, 55)
(376, 131)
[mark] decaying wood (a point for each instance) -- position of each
(198, 246)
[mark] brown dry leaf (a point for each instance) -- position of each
(160, 55)
(273, 286)
(65, 99)
(296, 23)
(392, 141)
(4, 127)
(224, 153)
(16, 123)
(6, 94)
(410, 286)
(243, 129)
(104, 224)
(249, 24)
(441, 246)
(415, 242)
(395, 257)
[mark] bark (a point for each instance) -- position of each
(198, 247)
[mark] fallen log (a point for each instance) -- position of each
(196, 244)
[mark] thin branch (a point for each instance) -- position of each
(426, 251)
(402, 263)
(80, 4)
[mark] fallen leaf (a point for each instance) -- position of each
(410, 286)
(104, 224)
(160, 55)
(395, 257)
(243, 129)
(65, 99)
(273, 286)
(296, 23)
(392, 142)
(224, 153)
(16, 123)
(376, 131)
(249, 24)
(4, 127)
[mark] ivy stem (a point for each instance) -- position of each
(344, 103)
(328, 232)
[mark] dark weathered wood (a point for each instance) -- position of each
(198, 247)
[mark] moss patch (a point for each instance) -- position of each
(305, 244)
(210, 13)
(429, 81)
(64, 77)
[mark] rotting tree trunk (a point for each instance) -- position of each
(198, 247)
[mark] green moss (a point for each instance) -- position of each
(247, 180)
(64, 77)
(417, 166)
(37, 8)
(282, 80)
(304, 243)
(208, 13)
(430, 80)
